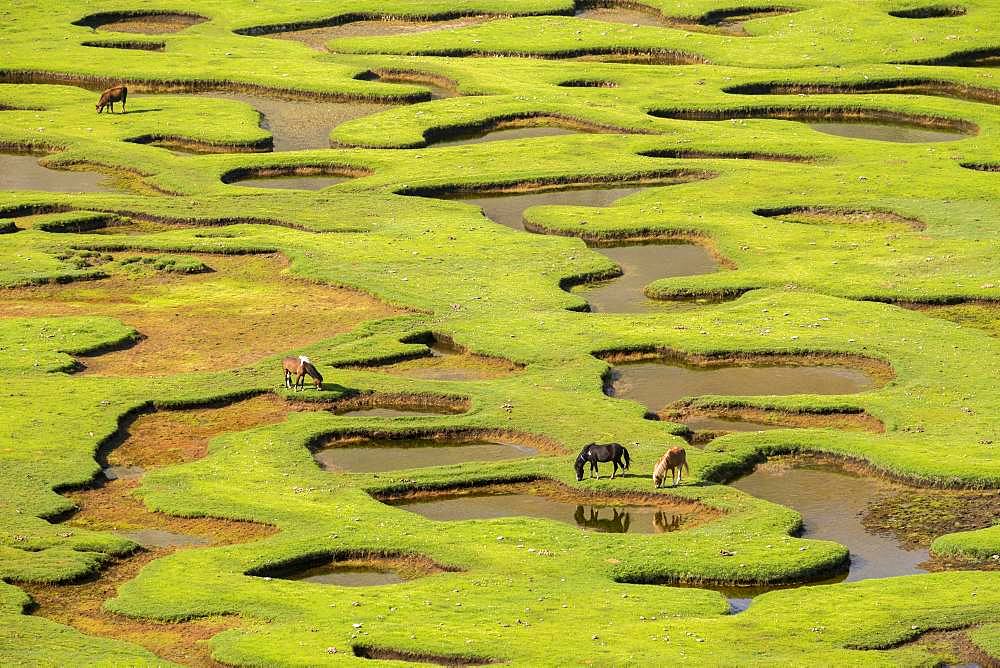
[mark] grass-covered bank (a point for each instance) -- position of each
(142, 326)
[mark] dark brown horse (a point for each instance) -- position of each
(300, 367)
(604, 452)
(110, 96)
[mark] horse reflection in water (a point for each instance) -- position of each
(664, 521)
(619, 522)
(589, 517)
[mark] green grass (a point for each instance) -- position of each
(801, 284)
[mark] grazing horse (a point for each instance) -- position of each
(605, 452)
(299, 367)
(110, 96)
(671, 461)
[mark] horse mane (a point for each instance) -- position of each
(308, 367)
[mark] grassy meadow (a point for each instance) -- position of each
(172, 292)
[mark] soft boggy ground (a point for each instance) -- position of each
(816, 230)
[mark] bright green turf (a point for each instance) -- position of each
(806, 288)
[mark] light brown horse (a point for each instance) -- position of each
(671, 461)
(110, 96)
(299, 367)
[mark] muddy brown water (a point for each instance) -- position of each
(123, 472)
(632, 17)
(642, 264)
(599, 517)
(444, 348)
(700, 423)
(23, 172)
(136, 227)
(832, 503)
(393, 412)
(300, 124)
(735, 23)
(150, 24)
(317, 38)
(658, 383)
(890, 132)
(344, 576)
(508, 208)
(161, 538)
(294, 182)
(437, 92)
(479, 136)
(373, 456)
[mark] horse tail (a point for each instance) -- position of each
(628, 460)
(687, 470)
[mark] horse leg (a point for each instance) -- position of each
(288, 379)
(614, 470)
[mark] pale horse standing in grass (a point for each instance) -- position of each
(671, 461)
(300, 367)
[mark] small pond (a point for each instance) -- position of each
(658, 383)
(345, 575)
(299, 124)
(633, 17)
(524, 501)
(371, 456)
(832, 503)
(152, 23)
(508, 208)
(23, 172)
(904, 134)
(643, 264)
(317, 38)
(478, 137)
(294, 182)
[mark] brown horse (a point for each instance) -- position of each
(671, 461)
(299, 367)
(110, 96)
